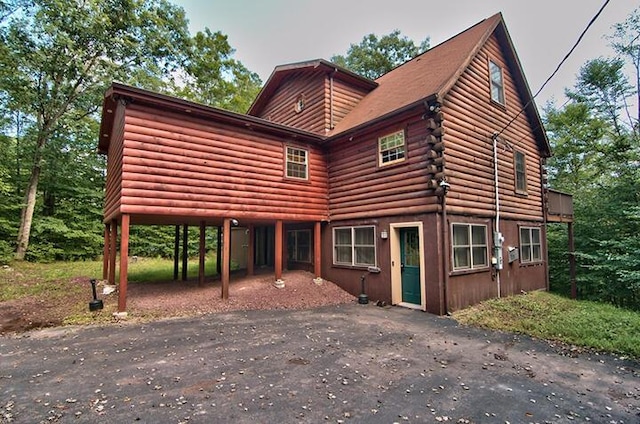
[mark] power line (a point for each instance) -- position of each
(595, 17)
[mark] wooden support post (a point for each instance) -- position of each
(317, 250)
(176, 253)
(105, 251)
(278, 250)
(226, 257)
(572, 263)
(251, 249)
(185, 253)
(124, 264)
(113, 244)
(219, 252)
(202, 253)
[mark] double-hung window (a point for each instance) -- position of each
(297, 162)
(391, 148)
(497, 83)
(354, 246)
(469, 243)
(520, 167)
(530, 245)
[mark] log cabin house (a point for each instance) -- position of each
(427, 182)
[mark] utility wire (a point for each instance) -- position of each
(595, 17)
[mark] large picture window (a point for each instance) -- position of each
(299, 245)
(469, 243)
(520, 168)
(391, 148)
(497, 84)
(297, 163)
(354, 246)
(530, 245)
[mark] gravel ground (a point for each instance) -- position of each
(186, 298)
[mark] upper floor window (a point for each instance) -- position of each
(497, 84)
(469, 244)
(354, 246)
(297, 163)
(521, 171)
(391, 148)
(530, 245)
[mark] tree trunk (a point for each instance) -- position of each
(29, 206)
(26, 217)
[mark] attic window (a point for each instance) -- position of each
(300, 103)
(497, 83)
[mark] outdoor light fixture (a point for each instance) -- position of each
(234, 222)
(384, 235)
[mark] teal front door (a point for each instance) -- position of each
(410, 265)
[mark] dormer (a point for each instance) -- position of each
(312, 96)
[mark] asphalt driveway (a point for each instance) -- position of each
(351, 363)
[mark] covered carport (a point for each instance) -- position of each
(178, 163)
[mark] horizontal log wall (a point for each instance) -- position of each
(281, 106)
(176, 166)
(471, 119)
(361, 189)
(345, 98)
(113, 186)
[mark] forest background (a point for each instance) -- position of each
(57, 58)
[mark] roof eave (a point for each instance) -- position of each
(366, 126)
(118, 91)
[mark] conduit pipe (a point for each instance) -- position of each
(496, 234)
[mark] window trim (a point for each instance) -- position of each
(470, 246)
(295, 248)
(530, 259)
(353, 247)
(381, 163)
(499, 85)
(518, 189)
(287, 161)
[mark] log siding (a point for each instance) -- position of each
(361, 188)
(472, 118)
(281, 106)
(113, 185)
(175, 166)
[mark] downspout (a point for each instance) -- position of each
(497, 236)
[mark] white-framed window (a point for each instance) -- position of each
(530, 245)
(497, 82)
(354, 246)
(520, 168)
(299, 245)
(297, 163)
(469, 245)
(391, 148)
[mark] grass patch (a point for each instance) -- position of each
(548, 316)
(25, 279)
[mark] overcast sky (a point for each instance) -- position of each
(274, 32)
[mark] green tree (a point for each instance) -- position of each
(57, 57)
(603, 86)
(374, 56)
(213, 77)
(626, 42)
